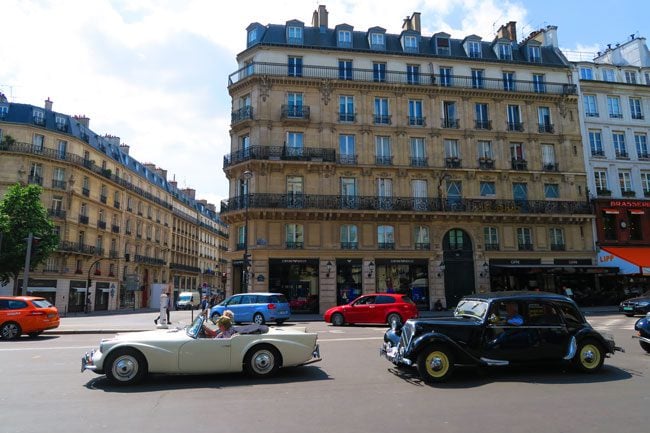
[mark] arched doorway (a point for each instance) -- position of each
(458, 256)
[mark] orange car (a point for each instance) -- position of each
(26, 315)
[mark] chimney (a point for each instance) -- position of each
(3, 98)
(174, 184)
(415, 21)
(314, 19)
(508, 31)
(212, 207)
(322, 17)
(150, 166)
(204, 202)
(191, 193)
(406, 25)
(48, 104)
(113, 140)
(125, 148)
(83, 120)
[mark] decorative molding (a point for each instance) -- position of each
(366, 171)
(569, 178)
(265, 87)
(562, 108)
(470, 175)
(504, 175)
(536, 177)
(402, 172)
(400, 132)
(326, 91)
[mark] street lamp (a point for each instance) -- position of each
(371, 268)
(329, 268)
(486, 269)
(246, 177)
(441, 268)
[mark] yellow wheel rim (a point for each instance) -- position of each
(437, 364)
(590, 356)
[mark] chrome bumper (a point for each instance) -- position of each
(87, 362)
(315, 356)
(644, 339)
(391, 353)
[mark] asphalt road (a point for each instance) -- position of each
(351, 390)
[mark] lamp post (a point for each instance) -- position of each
(246, 268)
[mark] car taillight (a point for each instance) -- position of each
(271, 306)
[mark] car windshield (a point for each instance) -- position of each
(184, 298)
(195, 327)
(471, 308)
(41, 303)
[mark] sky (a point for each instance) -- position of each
(155, 72)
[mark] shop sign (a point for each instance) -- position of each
(630, 203)
(515, 261)
(582, 262)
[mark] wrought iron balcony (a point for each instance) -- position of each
(294, 245)
(386, 245)
(113, 254)
(558, 247)
(115, 229)
(76, 247)
(35, 179)
(628, 193)
(58, 184)
(382, 119)
(546, 128)
(422, 246)
(525, 247)
(405, 204)
(103, 198)
(56, 213)
(280, 153)
(187, 268)
(419, 161)
(598, 153)
(483, 124)
(491, 247)
(622, 154)
(116, 204)
(417, 121)
(519, 164)
(347, 159)
(349, 245)
(149, 260)
(85, 191)
(383, 160)
(244, 113)
(551, 166)
(453, 162)
(300, 112)
(450, 123)
(83, 219)
(515, 126)
(101, 225)
(347, 117)
(486, 163)
(310, 72)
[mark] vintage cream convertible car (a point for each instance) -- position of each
(259, 350)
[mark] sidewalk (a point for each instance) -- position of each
(114, 321)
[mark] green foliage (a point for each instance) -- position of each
(21, 213)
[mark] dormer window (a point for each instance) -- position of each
(252, 36)
(442, 46)
(474, 49)
(294, 35)
(534, 54)
(410, 43)
(61, 123)
(504, 51)
(39, 116)
(4, 110)
(344, 39)
(377, 41)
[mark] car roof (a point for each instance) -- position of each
(518, 295)
(23, 298)
(260, 293)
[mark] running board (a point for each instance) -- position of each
(495, 362)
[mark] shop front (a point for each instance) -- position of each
(408, 276)
(77, 296)
(102, 295)
(348, 280)
(297, 279)
(41, 288)
(633, 277)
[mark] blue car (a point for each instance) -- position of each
(257, 308)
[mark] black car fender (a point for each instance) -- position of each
(433, 338)
(590, 333)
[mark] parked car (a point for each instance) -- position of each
(26, 315)
(258, 308)
(642, 327)
(638, 305)
(259, 350)
(499, 329)
(376, 308)
(188, 300)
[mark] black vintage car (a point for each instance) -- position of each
(638, 305)
(499, 329)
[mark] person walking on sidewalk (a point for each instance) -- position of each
(169, 305)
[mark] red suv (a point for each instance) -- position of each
(377, 308)
(26, 315)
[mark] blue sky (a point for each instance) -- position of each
(154, 72)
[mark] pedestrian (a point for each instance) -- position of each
(88, 304)
(169, 304)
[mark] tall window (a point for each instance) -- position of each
(586, 73)
(456, 239)
(609, 75)
(410, 43)
(294, 144)
(413, 74)
(454, 192)
(477, 78)
(345, 39)
(62, 148)
(295, 198)
(58, 178)
(524, 239)
(347, 151)
(345, 69)
(379, 72)
(415, 112)
(474, 48)
(38, 141)
(294, 35)
(625, 181)
(590, 105)
(600, 178)
(596, 143)
(294, 235)
(539, 85)
(382, 117)
(377, 41)
(295, 67)
(452, 149)
(509, 81)
(548, 157)
(517, 152)
(418, 156)
(491, 238)
(294, 104)
(514, 118)
(382, 150)
(446, 76)
(449, 119)
(488, 189)
(641, 141)
(520, 192)
(544, 119)
(485, 149)
(635, 108)
(348, 193)
(618, 140)
(442, 46)
(385, 192)
(551, 190)
(504, 51)
(419, 194)
(534, 54)
(482, 118)
(556, 236)
(385, 237)
(346, 108)
(349, 237)
(614, 107)
(645, 183)
(36, 174)
(630, 77)
(421, 236)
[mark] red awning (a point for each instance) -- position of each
(637, 211)
(611, 211)
(640, 256)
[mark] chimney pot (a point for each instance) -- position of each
(48, 104)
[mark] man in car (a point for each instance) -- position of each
(512, 314)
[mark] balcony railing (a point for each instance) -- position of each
(310, 72)
(149, 260)
(103, 198)
(519, 164)
(422, 246)
(349, 245)
(558, 247)
(450, 123)
(347, 117)
(58, 184)
(525, 247)
(101, 225)
(244, 113)
(382, 119)
(546, 128)
(294, 245)
(281, 153)
(386, 245)
(628, 193)
(77, 247)
(515, 126)
(453, 162)
(483, 124)
(417, 121)
(598, 153)
(347, 159)
(491, 247)
(418, 161)
(115, 229)
(486, 163)
(83, 219)
(405, 204)
(56, 213)
(35, 179)
(551, 166)
(187, 268)
(384, 160)
(300, 112)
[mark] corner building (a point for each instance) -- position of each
(363, 162)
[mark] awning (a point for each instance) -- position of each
(611, 211)
(41, 289)
(637, 211)
(630, 260)
(549, 267)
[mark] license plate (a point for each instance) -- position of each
(628, 308)
(282, 312)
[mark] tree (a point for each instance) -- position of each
(22, 213)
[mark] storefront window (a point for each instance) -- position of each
(297, 279)
(405, 276)
(609, 226)
(348, 280)
(636, 232)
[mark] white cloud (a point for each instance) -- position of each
(154, 72)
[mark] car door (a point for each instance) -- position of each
(205, 355)
(506, 341)
(551, 334)
(361, 310)
(15, 310)
(247, 308)
(383, 305)
(234, 305)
